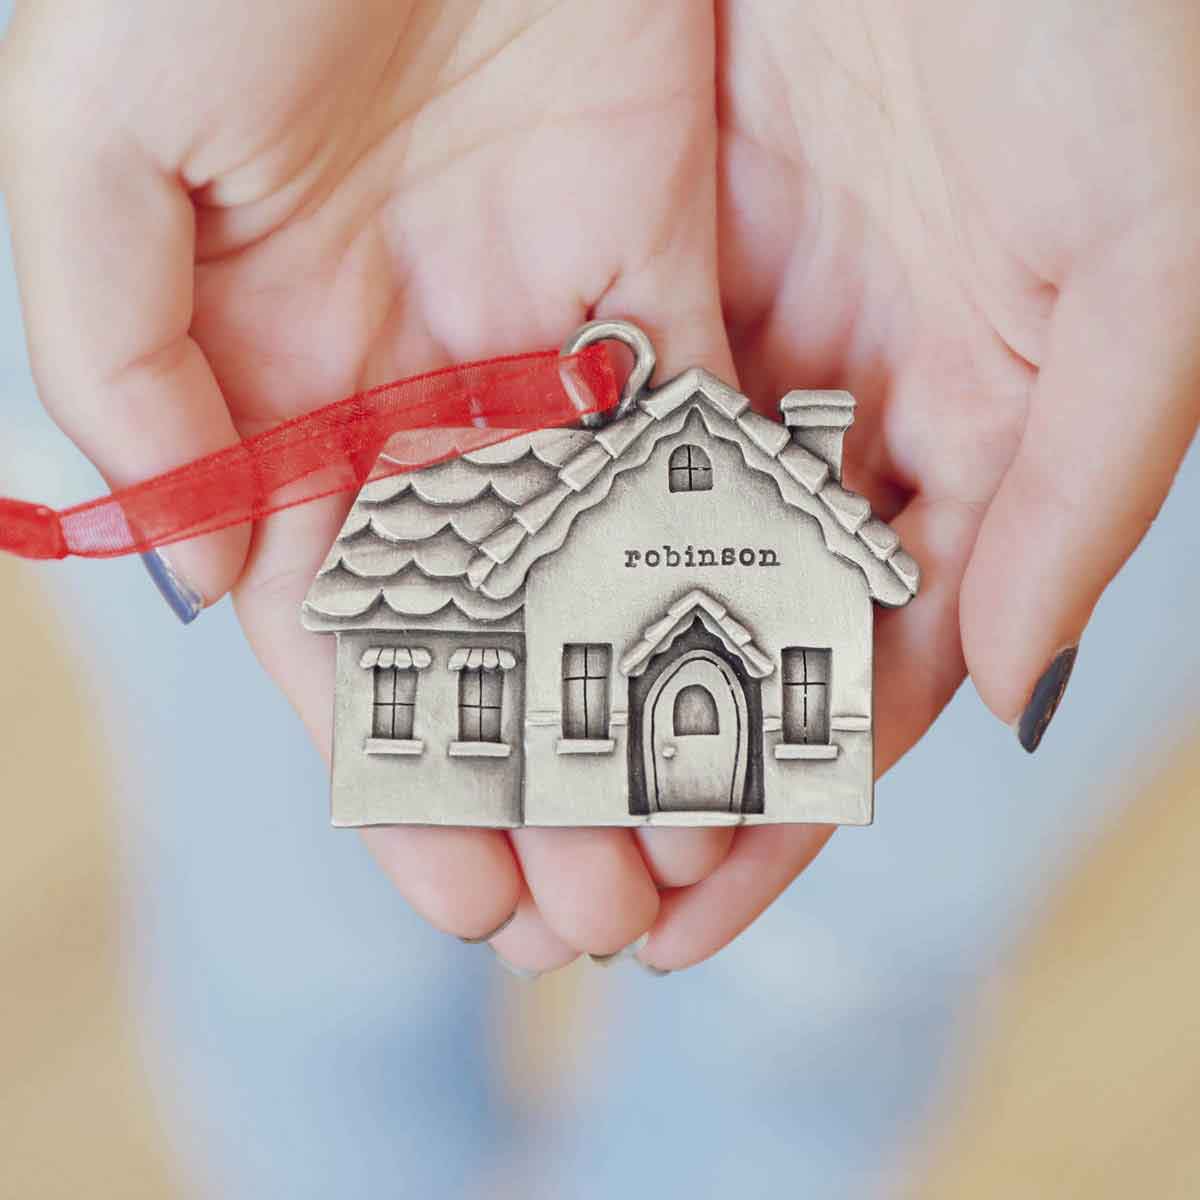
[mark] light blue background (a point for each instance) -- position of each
(309, 1037)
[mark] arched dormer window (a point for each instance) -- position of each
(689, 470)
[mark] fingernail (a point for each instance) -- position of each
(487, 937)
(182, 599)
(519, 972)
(658, 972)
(1047, 696)
(606, 960)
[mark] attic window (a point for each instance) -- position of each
(689, 470)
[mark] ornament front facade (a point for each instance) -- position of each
(667, 620)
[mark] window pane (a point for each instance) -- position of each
(572, 716)
(468, 706)
(574, 664)
(595, 703)
(492, 688)
(818, 665)
(818, 715)
(793, 665)
(406, 686)
(385, 683)
(382, 724)
(599, 659)
(793, 713)
(402, 720)
(489, 725)
(468, 724)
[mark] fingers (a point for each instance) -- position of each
(103, 243)
(528, 946)
(680, 857)
(1114, 408)
(462, 881)
(698, 921)
(590, 885)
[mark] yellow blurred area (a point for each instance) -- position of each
(1088, 1083)
(75, 1113)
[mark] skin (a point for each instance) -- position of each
(978, 218)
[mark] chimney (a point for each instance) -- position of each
(818, 421)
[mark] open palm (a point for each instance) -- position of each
(312, 200)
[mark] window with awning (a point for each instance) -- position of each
(481, 691)
(395, 671)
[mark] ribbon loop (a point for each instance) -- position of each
(397, 427)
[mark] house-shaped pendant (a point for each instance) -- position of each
(666, 619)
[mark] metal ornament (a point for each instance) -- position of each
(664, 619)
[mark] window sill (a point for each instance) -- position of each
(394, 746)
(804, 751)
(585, 745)
(480, 749)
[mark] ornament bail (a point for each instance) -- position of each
(644, 360)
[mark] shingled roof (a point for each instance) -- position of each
(464, 534)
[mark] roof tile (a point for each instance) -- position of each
(537, 512)
(696, 598)
(663, 402)
(805, 468)
(584, 467)
(501, 546)
(554, 447)
(729, 403)
(907, 570)
(880, 538)
(769, 436)
(478, 569)
(850, 509)
(617, 437)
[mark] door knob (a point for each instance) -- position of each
(668, 751)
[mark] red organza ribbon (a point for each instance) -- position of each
(388, 430)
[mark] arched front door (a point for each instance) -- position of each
(695, 737)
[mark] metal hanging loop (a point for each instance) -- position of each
(644, 360)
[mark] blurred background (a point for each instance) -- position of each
(210, 992)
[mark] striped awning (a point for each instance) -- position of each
(474, 657)
(403, 657)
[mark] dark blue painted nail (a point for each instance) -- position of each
(1047, 696)
(182, 599)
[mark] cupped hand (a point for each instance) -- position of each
(980, 223)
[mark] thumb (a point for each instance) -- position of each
(103, 241)
(1114, 408)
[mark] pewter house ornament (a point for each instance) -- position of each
(664, 619)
